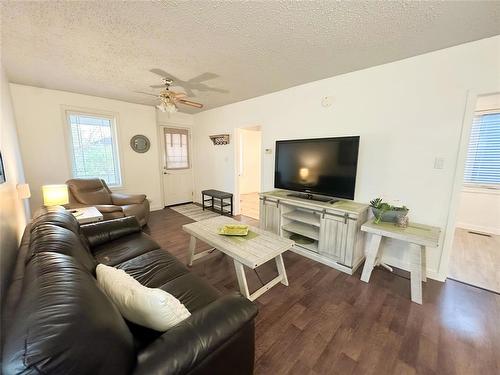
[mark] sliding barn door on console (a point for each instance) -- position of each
(177, 167)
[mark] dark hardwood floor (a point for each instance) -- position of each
(327, 322)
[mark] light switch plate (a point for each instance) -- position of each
(438, 163)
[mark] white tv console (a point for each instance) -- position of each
(334, 228)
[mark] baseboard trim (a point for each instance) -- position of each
(478, 228)
(155, 208)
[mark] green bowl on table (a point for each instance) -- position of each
(234, 230)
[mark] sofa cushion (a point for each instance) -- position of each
(51, 238)
(124, 248)
(149, 307)
(89, 191)
(192, 291)
(154, 268)
(56, 215)
(65, 324)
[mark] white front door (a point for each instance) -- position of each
(177, 169)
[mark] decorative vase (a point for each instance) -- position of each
(390, 216)
(402, 220)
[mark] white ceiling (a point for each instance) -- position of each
(108, 48)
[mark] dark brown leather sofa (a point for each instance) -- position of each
(59, 322)
(84, 192)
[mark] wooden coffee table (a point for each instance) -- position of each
(253, 250)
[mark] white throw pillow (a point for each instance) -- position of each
(148, 307)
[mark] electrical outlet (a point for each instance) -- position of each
(438, 163)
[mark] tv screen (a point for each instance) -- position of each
(325, 166)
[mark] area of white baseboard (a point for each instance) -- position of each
(478, 228)
(155, 208)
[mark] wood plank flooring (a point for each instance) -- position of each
(327, 322)
(475, 259)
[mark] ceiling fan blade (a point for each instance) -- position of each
(179, 94)
(190, 103)
(157, 86)
(160, 72)
(203, 77)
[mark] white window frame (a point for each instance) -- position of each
(480, 187)
(188, 143)
(113, 117)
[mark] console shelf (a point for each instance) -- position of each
(306, 230)
(304, 217)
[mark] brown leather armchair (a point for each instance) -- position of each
(85, 192)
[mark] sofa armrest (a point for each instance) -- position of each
(108, 208)
(184, 346)
(109, 230)
(124, 199)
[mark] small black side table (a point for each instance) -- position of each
(221, 196)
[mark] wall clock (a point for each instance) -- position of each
(140, 143)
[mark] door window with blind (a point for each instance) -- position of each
(482, 168)
(176, 148)
(93, 147)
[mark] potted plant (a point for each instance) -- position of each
(384, 211)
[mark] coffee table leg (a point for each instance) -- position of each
(242, 280)
(192, 246)
(281, 269)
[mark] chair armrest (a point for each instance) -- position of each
(109, 230)
(123, 199)
(184, 346)
(108, 208)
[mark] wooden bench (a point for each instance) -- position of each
(221, 196)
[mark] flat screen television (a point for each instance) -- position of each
(325, 166)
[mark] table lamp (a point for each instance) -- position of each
(55, 195)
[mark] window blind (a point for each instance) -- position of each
(93, 148)
(176, 148)
(482, 167)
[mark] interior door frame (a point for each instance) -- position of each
(451, 221)
(161, 154)
(237, 148)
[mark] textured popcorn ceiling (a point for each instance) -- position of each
(107, 48)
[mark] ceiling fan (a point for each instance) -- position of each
(170, 99)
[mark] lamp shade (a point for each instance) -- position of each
(54, 195)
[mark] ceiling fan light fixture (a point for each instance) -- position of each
(167, 107)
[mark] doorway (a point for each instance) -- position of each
(249, 141)
(177, 172)
(475, 252)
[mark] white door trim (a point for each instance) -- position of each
(161, 154)
(457, 186)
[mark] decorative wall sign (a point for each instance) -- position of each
(220, 139)
(140, 143)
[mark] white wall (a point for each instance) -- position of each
(13, 211)
(41, 124)
(407, 113)
(249, 176)
(479, 209)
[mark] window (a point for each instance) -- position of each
(482, 167)
(176, 148)
(94, 151)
